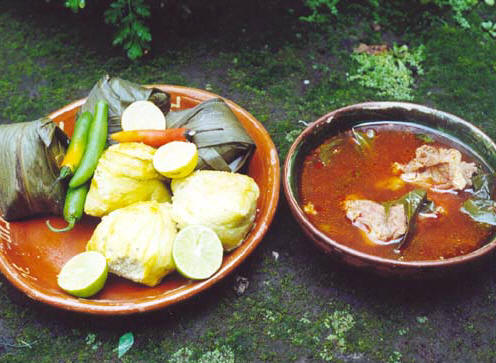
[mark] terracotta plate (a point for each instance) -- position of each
(31, 256)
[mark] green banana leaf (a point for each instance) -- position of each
(30, 155)
(222, 142)
(119, 94)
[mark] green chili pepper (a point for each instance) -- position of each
(77, 146)
(96, 143)
(73, 207)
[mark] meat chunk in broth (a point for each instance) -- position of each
(371, 217)
(438, 167)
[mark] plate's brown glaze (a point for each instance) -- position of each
(459, 130)
(31, 256)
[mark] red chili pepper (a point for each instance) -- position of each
(154, 138)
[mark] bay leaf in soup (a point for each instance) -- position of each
(412, 203)
(481, 207)
(327, 150)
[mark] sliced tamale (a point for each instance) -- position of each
(30, 155)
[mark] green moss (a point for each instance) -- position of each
(460, 76)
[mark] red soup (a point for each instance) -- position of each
(363, 165)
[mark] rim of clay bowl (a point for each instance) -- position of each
(329, 245)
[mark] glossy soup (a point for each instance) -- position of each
(329, 177)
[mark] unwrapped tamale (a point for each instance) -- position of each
(124, 175)
(137, 241)
(30, 155)
(223, 201)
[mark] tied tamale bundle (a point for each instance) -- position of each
(30, 155)
(119, 94)
(223, 143)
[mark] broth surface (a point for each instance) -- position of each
(368, 175)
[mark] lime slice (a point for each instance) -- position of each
(176, 159)
(142, 115)
(84, 274)
(197, 252)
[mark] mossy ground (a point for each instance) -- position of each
(299, 306)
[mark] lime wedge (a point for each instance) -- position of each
(176, 159)
(84, 274)
(197, 252)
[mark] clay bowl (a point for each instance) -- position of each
(473, 140)
(31, 256)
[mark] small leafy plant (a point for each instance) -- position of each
(319, 10)
(133, 34)
(390, 72)
(129, 17)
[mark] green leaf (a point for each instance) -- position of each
(483, 185)
(412, 203)
(363, 141)
(142, 10)
(122, 35)
(73, 5)
(425, 138)
(135, 51)
(125, 343)
(487, 25)
(481, 208)
(326, 151)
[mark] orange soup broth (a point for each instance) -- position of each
(366, 175)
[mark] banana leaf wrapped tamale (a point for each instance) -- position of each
(30, 155)
(119, 94)
(223, 144)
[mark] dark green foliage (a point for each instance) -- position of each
(133, 34)
(323, 11)
(132, 17)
